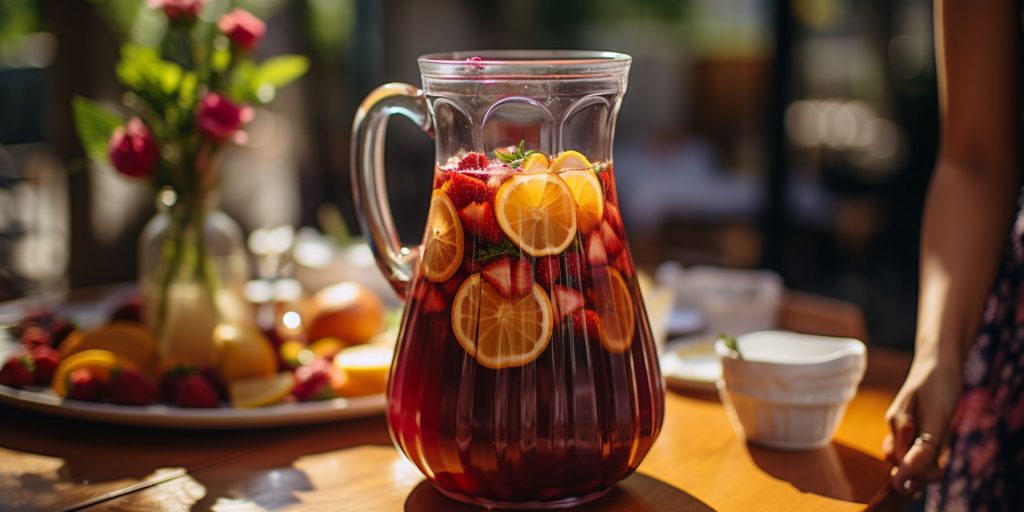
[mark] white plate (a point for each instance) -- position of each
(168, 416)
(88, 314)
(692, 363)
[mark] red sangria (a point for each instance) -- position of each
(525, 375)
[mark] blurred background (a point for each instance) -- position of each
(792, 135)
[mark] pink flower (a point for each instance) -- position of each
(184, 11)
(133, 150)
(220, 118)
(242, 28)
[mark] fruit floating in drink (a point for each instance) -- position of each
(527, 376)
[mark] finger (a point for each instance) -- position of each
(888, 450)
(914, 468)
(904, 432)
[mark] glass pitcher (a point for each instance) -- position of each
(525, 374)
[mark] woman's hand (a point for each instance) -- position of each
(924, 407)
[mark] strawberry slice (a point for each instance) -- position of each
(576, 271)
(597, 256)
(547, 271)
(473, 162)
(624, 264)
(522, 277)
(432, 300)
(614, 217)
(463, 189)
(566, 300)
(499, 274)
(478, 218)
(451, 286)
(585, 324)
(613, 245)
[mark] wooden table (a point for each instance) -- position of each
(697, 464)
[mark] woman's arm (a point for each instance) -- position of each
(967, 218)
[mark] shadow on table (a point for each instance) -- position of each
(835, 471)
(638, 493)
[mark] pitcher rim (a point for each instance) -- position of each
(524, 64)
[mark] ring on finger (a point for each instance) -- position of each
(926, 439)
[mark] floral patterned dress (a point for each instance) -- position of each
(986, 463)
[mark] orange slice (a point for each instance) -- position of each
(536, 162)
(99, 362)
(442, 250)
(500, 332)
(260, 391)
(366, 368)
(567, 160)
(589, 196)
(537, 212)
(615, 308)
(129, 340)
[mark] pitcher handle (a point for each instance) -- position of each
(397, 262)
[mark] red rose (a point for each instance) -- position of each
(133, 150)
(220, 118)
(184, 11)
(242, 28)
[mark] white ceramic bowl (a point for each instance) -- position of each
(789, 390)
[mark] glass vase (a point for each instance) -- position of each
(192, 272)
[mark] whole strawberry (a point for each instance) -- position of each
(128, 311)
(35, 336)
(18, 371)
(195, 391)
(84, 385)
(45, 359)
(129, 386)
(171, 378)
(313, 381)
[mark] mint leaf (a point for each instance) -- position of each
(94, 124)
(516, 156)
(506, 248)
(731, 344)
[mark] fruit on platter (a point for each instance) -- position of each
(347, 311)
(366, 369)
(245, 352)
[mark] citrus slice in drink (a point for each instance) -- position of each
(568, 160)
(260, 391)
(589, 196)
(442, 250)
(615, 309)
(99, 362)
(128, 340)
(501, 332)
(537, 213)
(536, 162)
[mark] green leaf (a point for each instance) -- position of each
(731, 344)
(142, 70)
(220, 59)
(516, 156)
(187, 90)
(241, 88)
(94, 124)
(506, 248)
(280, 71)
